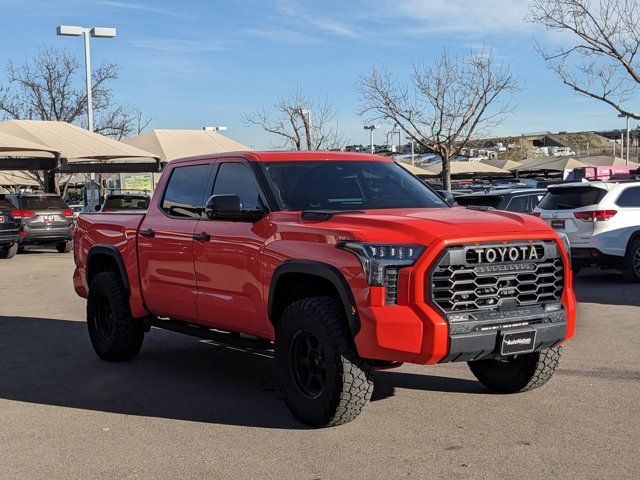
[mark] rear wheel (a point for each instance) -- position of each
(114, 334)
(631, 262)
(519, 373)
(9, 252)
(64, 247)
(322, 379)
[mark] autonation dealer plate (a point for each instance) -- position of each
(522, 341)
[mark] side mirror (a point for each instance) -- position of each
(447, 197)
(229, 207)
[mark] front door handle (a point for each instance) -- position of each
(148, 233)
(202, 237)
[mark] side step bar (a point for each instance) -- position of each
(218, 336)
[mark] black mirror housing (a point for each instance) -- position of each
(229, 207)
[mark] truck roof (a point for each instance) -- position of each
(290, 156)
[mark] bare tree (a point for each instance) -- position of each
(446, 103)
(300, 123)
(49, 87)
(600, 57)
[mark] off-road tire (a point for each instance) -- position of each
(9, 252)
(631, 262)
(64, 247)
(348, 383)
(519, 373)
(115, 335)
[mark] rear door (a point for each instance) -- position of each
(165, 243)
(560, 205)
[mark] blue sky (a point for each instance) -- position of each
(193, 63)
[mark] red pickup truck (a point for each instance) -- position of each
(341, 263)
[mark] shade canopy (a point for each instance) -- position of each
(173, 144)
(504, 164)
(417, 171)
(556, 164)
(607, 160)
(15, 146)
(467, 168)
(70, 141)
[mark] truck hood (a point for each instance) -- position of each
(422, 226)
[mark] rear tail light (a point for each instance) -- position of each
(23, 213)
(536, 214)
(595, 215)
(67, 213)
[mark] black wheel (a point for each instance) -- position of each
(519, 373)
(322, 379)
(631, 262)
(22, 249)
(64, 247)
(575, 268)
(9, 252)
(114, 334)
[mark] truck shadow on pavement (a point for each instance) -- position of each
(51, 362)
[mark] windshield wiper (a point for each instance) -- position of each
(321, 215)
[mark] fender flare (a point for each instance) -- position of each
(326, 272)
(113, 252)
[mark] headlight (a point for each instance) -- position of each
(375, 258)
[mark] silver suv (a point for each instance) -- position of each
(601, 220)
(45, 219)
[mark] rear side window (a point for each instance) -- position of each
(238, 179)
(184, 194)
(629, 198)
(42, 203)
(482, 201)
(5, 204)
(519, 204)
(568, 198)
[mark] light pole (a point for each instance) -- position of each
(371, 128)
(98, 32)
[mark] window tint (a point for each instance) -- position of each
(238, 179)
(124, 202)
(629, 198)
(568, 198)
(5, 204)
(42, 202)
(185, 191)
(518, 204)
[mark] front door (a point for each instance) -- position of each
(165, 244)
(227, 258)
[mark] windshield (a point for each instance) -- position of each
(42, 202)
(348, 185)
(568, 198)
(126, 202)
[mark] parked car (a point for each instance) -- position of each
(516, 200)
(342, 263)
(123, 201)
(9, 229)
(45, 219)
(602, 221)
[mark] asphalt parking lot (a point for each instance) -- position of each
(185, 408)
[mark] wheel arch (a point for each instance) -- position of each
(104, 258)
(297, 279)
(632, 238)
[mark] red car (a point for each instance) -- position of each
(342, 263)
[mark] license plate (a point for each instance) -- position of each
(522, 341)
(48, 218)
(557, 224)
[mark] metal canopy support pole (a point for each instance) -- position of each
(628, 147)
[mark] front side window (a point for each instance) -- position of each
(348, 185)
(184, 194)
(238, 179)
(629, 198)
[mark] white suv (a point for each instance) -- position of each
(601, 220)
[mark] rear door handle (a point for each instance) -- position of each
(202, 237)
(148, 233)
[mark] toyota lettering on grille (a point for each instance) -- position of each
(515, 253)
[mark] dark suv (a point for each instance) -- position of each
(9, 228)
(45, 219)
(522, 200)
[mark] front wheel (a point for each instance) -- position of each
(9, 252)
(322, 379)
(114, 334)
(519, 373)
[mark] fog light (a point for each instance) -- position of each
(552, 307)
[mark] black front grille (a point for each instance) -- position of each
(391, 286)
(459, 284)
